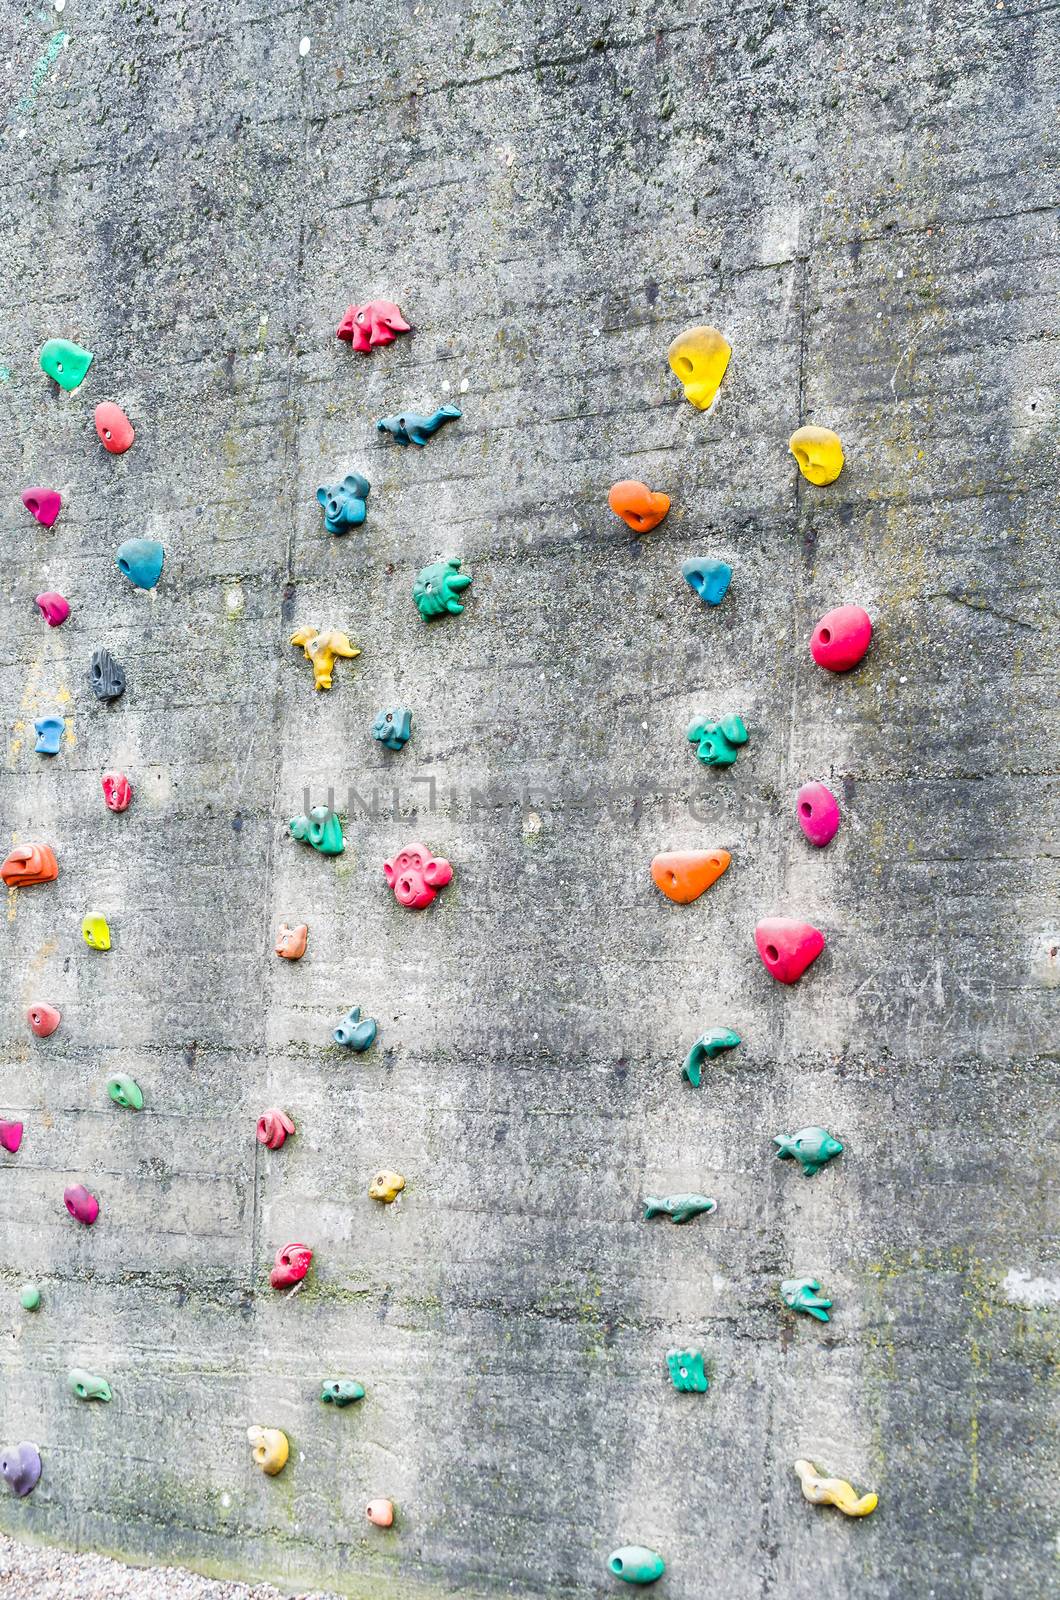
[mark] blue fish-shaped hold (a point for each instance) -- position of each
(678, 1207)
(411, 427)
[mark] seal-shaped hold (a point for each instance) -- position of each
(635, 1563)
(412, 427)
(29, 863)
(834, 1492)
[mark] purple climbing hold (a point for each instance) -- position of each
(20, 1467)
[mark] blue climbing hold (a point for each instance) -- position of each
(344, 503)
(140, 560)
(49, 732)
(354, 1032)
(412, 427)
(708, 579)
(393, 727)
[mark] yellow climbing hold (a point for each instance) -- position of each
(323, 649)
(386, 1186)
(699, 357)
(95, 932)
(270, 1448)
(819, 453)
(833, 1492)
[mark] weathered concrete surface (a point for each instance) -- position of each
(862, 197)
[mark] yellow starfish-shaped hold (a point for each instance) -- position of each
(833, 1492)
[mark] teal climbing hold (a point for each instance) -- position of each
(29, 1297)
(706, 1047)
(716, 742)
(810, 1147)
(635, 1563)
(322, 829)
(341, 1392)
(66, 362)
(708, 579)
(801, 1294)
(140, 560)
(686, 1371)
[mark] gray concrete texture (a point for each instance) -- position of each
(863, 197)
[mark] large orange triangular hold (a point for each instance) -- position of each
(683, 875)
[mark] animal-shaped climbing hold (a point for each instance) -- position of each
(380, 1512)
(686, 1371)
(393, 727)
(436, 589)
(341, 1392)
(29, 1297)
(323, 650)
(125, 1091)
(706, 1047)
(635, 1563)
(81, 1204)
(699, 357)
(354, 1033)
(44, 504)
(291, 942)
(269, 1449)
(116, 434)
(290, 1265)
(386, 1186)
(20, 1468)
(66, 362)
(95, 931)
(716, 742)
(416, 876)
(29, 863)
(841, 638)
(344, 503)
(274, 1126)
(141, 561)
(810, 1147)
(834, 1492)
(788, 947)
(53, 608)
(106, 676)
(708, 579)
(87, 1386)
(819, 453)
(639, 507)
(800, 1294)
(43, 1019)
(117, 790)
(678, 1207)
(11, 1136)
(412, 427)
(683, 875)
(322, 829)
(366, 327)
(50, 730)
(818, 813)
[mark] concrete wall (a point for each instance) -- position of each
(861, 195)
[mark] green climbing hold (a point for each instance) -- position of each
(634, 1563)
(126, 1092)
(86, 1386)
(437, 587)
(686, 1370)
(678, 1207)
(66, 362)
(706, 1047)
(810, 1147)
(322, 829)
(802, 1294)
(341, 1392)
(716, 742)
(29, 1297)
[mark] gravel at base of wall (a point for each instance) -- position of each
(31, 1570)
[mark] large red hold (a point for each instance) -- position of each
(290, 1265)
(114, 428)
(788, 947)
(117, 790)
(378, 322)
(841, 638)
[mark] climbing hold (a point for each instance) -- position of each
(834, 1492)
(125, 1092)
(716, 742)
(106, 676)
(686, 1371)
(381, 1512)
(635, 1563)
(116, 435)
(291, 942)
(841, 638)
(322, 829)
(678, 1207)
(322, 649)
(29, 863)
(386, 1186)
(699, 357)
(341, 1392)
(412, 427)
(117, 790)
(81, 1204)
(66, 362)
(270, 1449)
(43, 1019)
(708, 579)
(49, 734)
(437, 587)
(344, 503)
(273, 1127)
(44, 504)
(29, 1297)
(20, 1467)
(810, 1147)
(393, 727)
(819, 453)
(53, 608)
(706, 1047)
(639, 507)
(353, 1033)
(683, 875)
(11, 1136)
(290, 1265)
(416, 876)
(140, 560)
(800, 1294)
(86, 1386)
(788, 947)
(818, 813)
(95, 931)
(379, 322)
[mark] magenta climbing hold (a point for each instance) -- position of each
(115, 430)
(788, 947)
(11, 1135)
(818, 813)
(378, 322)
(416, 876)
(117, 790)
(81, 1204)
(43, 1019)
(44, 504)
(53, 608)
(841, 638)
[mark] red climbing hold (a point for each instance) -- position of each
(114, 428)
(291, 1263)
(43, 1019)
(273, 1127)
(788, 947)
(11, 1135)
(45, 504)
(53, 608)
(841, 638)
(117, 790)
(416, 876)
(378, 322)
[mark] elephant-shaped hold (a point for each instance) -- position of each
(323, 649)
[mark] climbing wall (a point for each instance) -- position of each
(860, 196)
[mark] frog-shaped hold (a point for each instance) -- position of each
(437, 587)
(344, 503)
(716, 742)
(321, 829)
(801, 1294)
(393, 727)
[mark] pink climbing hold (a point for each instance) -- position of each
(11, 1135)
(416, 876)
(43, 1019)
(44, 504)
(53, 608)
(114, 428)
(818, 813)
(273, 1127)
(81, 1204)
(787, 947)
(378, 322)
(117, 790)
(841, 638)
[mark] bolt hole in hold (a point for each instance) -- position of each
(772, 952)
(807, 809)
(825, 635)
(106, 431)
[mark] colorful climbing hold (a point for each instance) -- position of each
(106, 676)
(29, 1297)
(378, 322)
(116, 434)
(29, 863)
(841, 638)
(81, 1204)
(290, 1265)
(353, 1033)
(344, 503)
(140, 560)
(86, 1385)
(322, 829)
(380, 1512)
(819, 453)
(416, 876)
(125, 1091)
(43, 1019)
(686, 1371)
(818, 813)
(699, 357)
(412, 427)
(65, 361)
(20, 1467)
(53, 608)
(708, 579)
(274, 1126)
(386, 1186)
(323, 649)
(117, 790)
(291, 942)
(269, 1449)
(436, 589)
(50, 731)
(683, 875)
(635, 1563)
(95, 931)
(678, 1207)
(44, 504)
(716, 742)
(393, 727)
(706, 1047)
(11, 1136)
(834, 1492)
(800, 1294)
(788, 947)
(341, 1392)
(639, 507)
(810, 1147)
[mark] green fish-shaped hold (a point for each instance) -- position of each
(341, 1392)
(706, 1047)
(678, 1207)
(686, 1371)
(86, 1386)
(810, 1147)
(322, 829)
(800, 1294)
(635, 1563)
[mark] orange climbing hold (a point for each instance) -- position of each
(640, 508)
(33, 863)
(683, 875)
